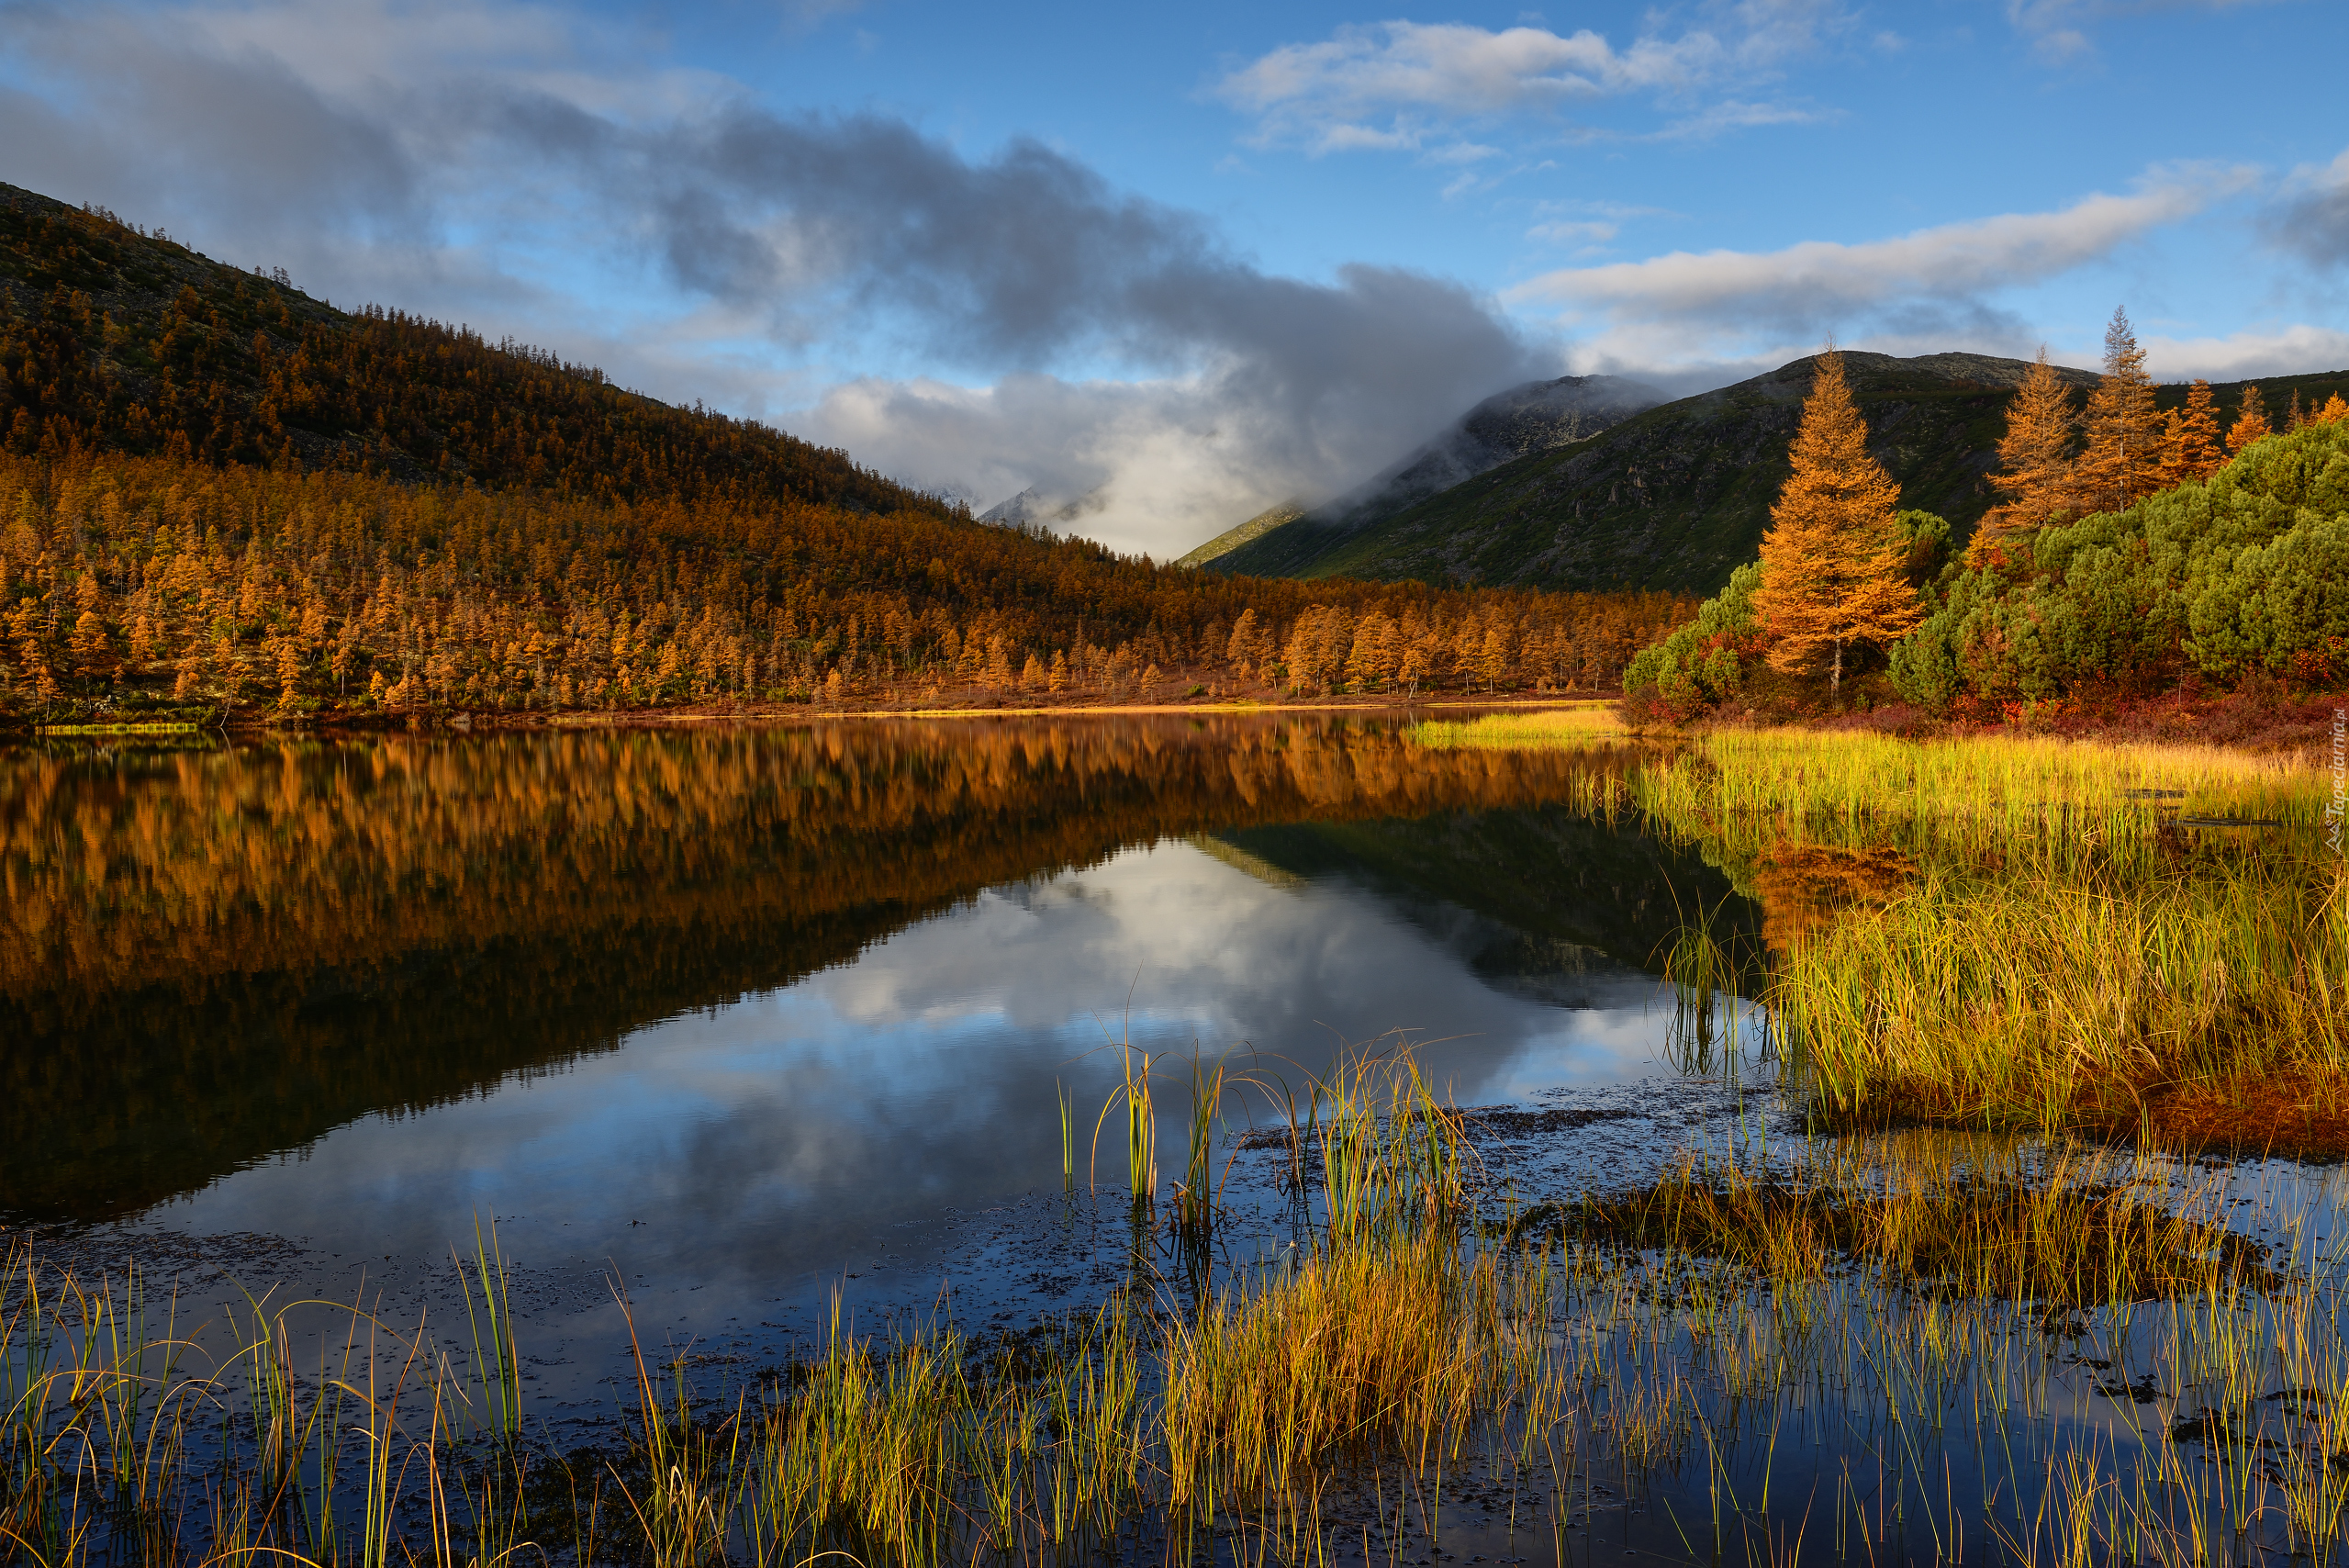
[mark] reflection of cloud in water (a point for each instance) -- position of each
(782, 1137)
(1207, 950)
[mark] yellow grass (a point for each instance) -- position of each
(2013, 784)
(1574, 725)
(2040, 999)
(1671, 1336)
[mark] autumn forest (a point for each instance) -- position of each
(219, 496)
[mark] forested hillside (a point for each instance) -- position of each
(219, 495)
(2246, 573)
(1677, 496)
(125, 341)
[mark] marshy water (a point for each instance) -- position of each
(724, 1036)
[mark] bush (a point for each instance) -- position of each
(2249, 570)
(1703, 663)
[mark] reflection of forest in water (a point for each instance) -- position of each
(206, 957)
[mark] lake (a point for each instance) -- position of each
(747, 1016)
(722, 1036)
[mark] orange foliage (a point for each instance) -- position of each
(1831, 576)
(2122, 450)
(130, 581)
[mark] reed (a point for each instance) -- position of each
(1714, 1344)
(489, 1315)
(2039, 1001)
(1137, 1109)
(1575, 724)
(2009, 785)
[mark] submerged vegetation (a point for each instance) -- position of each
(1760, 1356)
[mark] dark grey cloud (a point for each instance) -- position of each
(1021, 262)
(2312, 219)
(146, 115)
(1017, 260)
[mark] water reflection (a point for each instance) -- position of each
(732, 1011)
(207, 958)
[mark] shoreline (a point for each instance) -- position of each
(464, 722)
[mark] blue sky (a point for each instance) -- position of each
(1179, 263)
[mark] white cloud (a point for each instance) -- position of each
(1156, 466)
(1585, 224)
(1732, 115)
(2296, 350)
(1584, 232)
(1394, 84)
(1685, 305)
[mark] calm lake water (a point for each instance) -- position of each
(744, 1017)
(740, 1024)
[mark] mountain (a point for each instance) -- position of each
(1230, 538)
(1678, 496)
(1533, 418)
(118, 339)
(1033, 514)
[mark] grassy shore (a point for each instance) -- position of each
(1441, 1367)
(2018, 932)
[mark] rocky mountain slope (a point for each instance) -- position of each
(1533, 418)
(1678, 496)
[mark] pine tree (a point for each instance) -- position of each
(2190, 450)
(2035, 456)
(1831, 574)
(2121, 457)
(2250, 421)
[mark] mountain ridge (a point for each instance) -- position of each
(1678, 496)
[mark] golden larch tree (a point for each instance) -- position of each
(2121, 454)
(2190, 449)
(2250, 421)
(1830, 573)
(2034, 459)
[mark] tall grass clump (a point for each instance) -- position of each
(1981, 789)
(2030, 934)
(1576, 724)
(2039, 1001)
